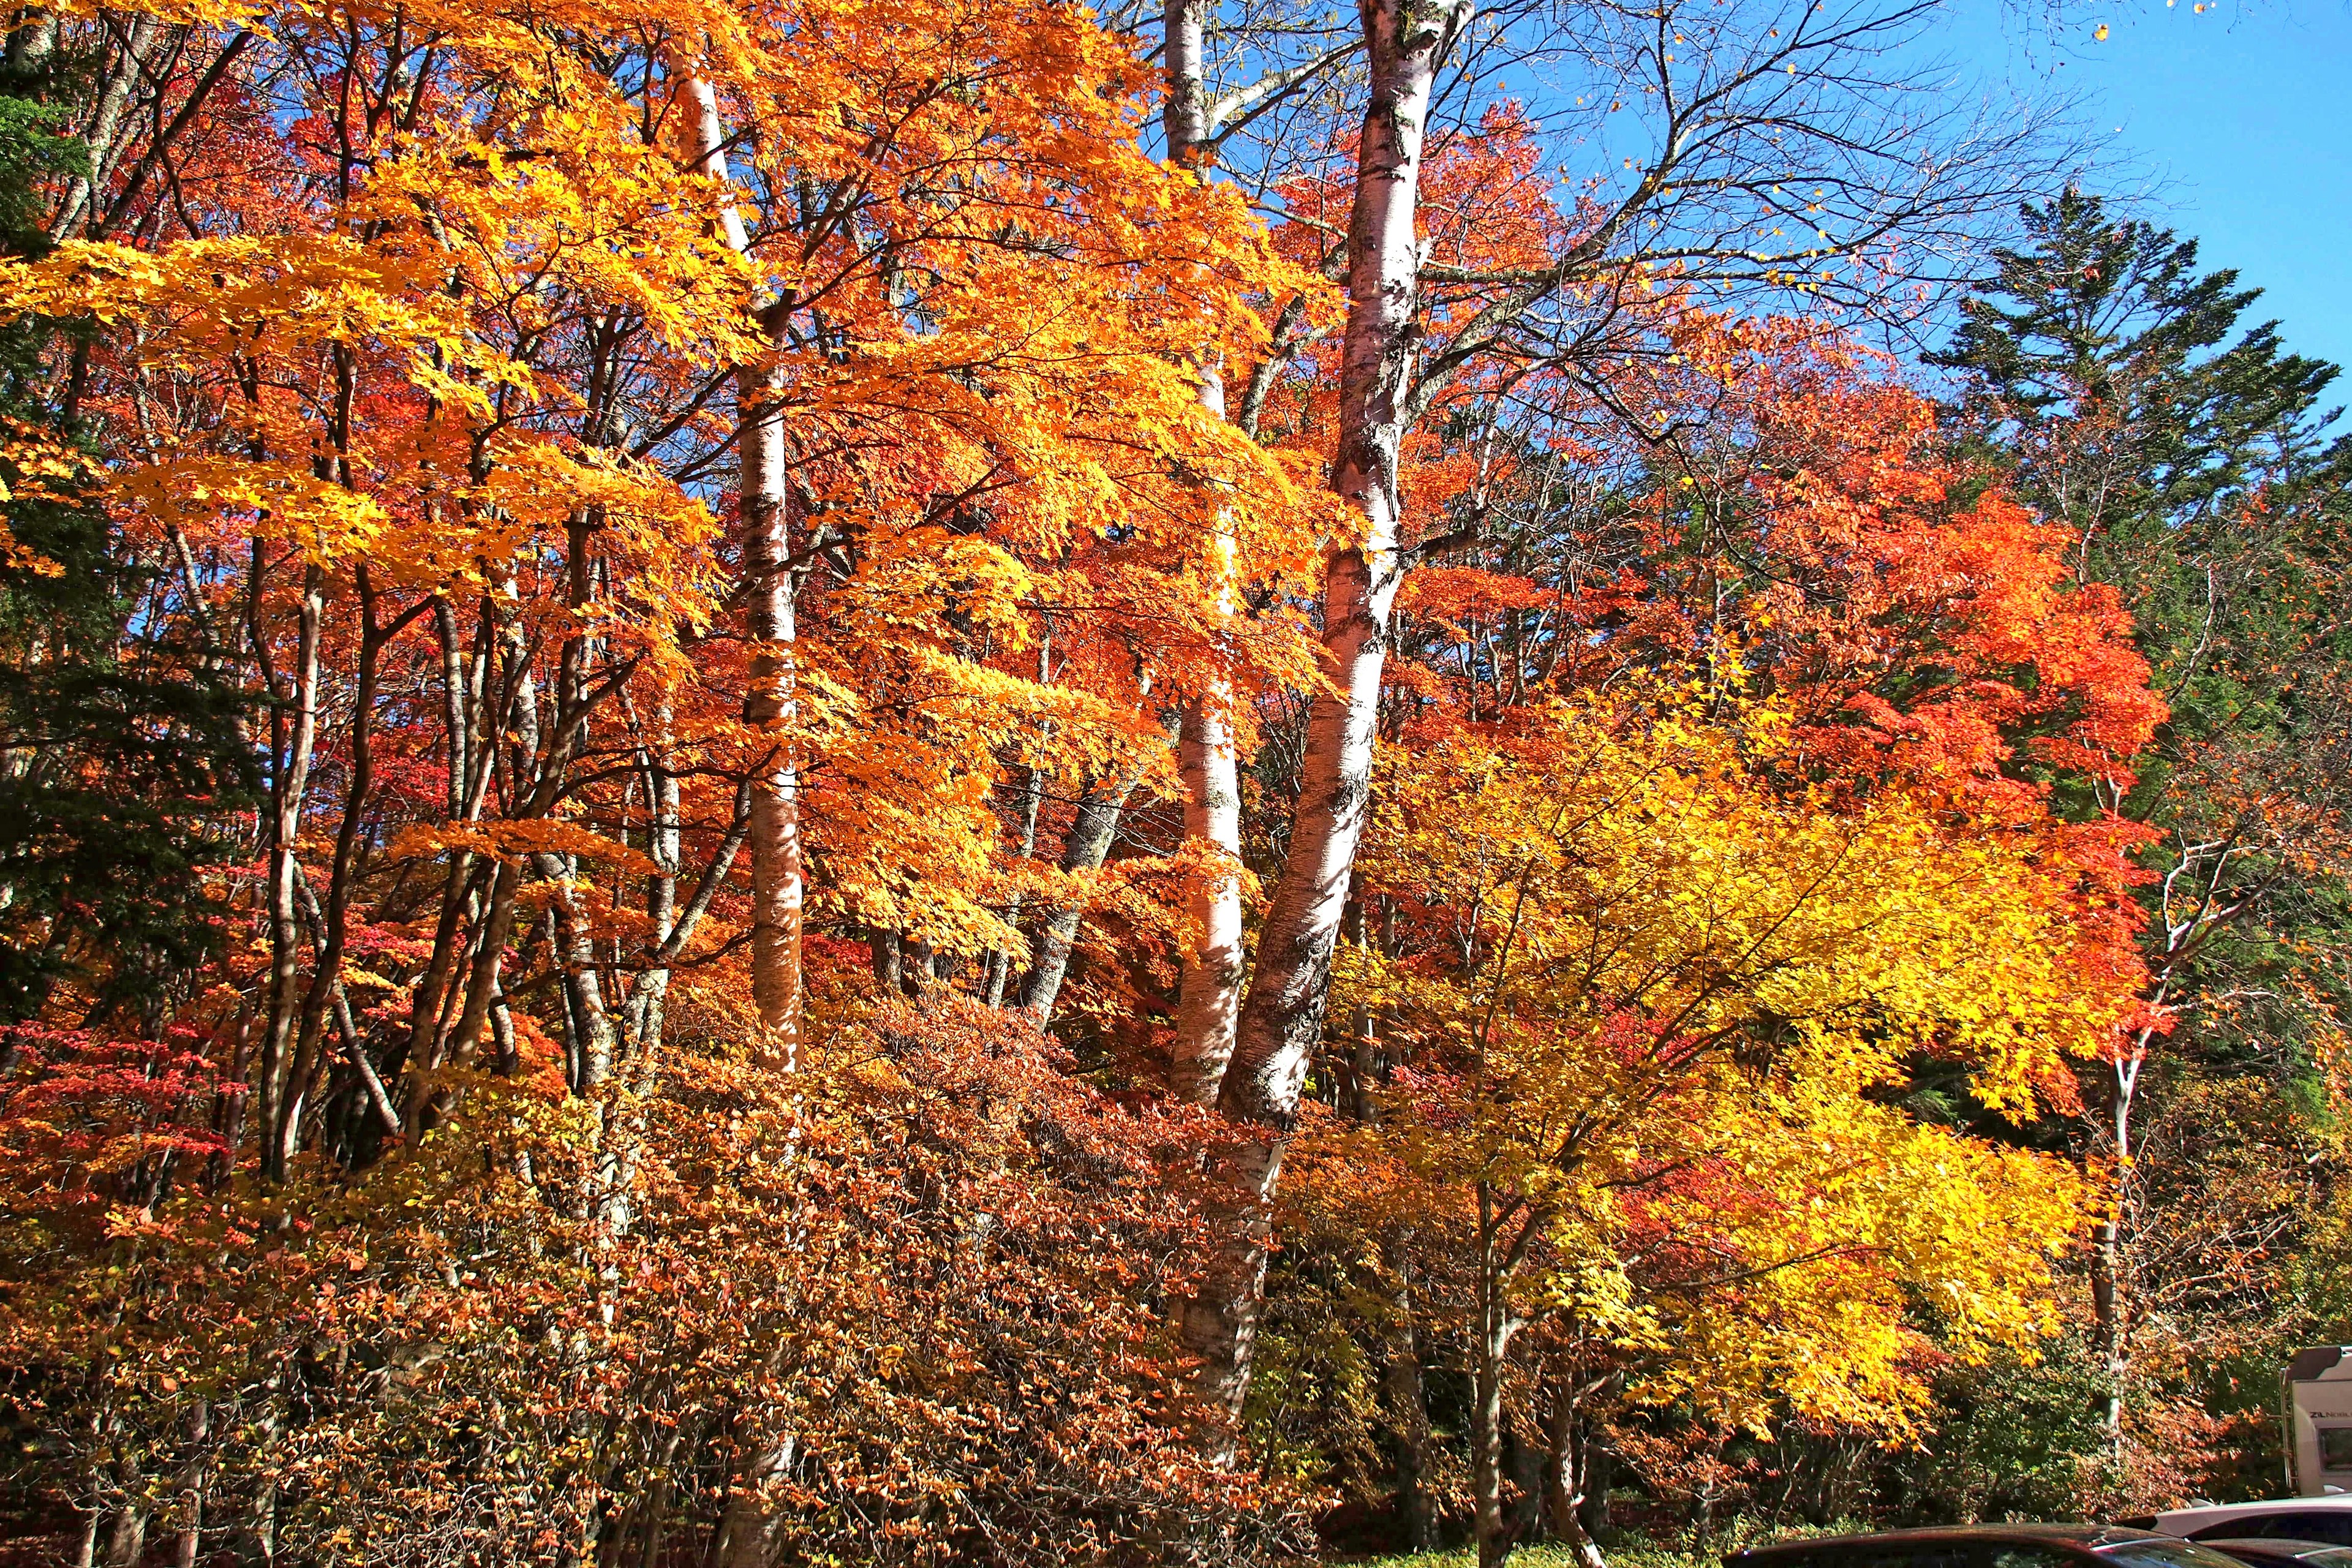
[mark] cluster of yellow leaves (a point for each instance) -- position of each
(1670, 1011)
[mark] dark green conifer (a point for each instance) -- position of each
(122, 765)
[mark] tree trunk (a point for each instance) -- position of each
(1283, 1013)
(187, 1541)
(1495, 1328)
(2111, 1328)
(1092, 833)
(469, 770)
(1400, 1383)
(1184, 116)
(1219, 1324)
(1209, 1002)
(770, 707)
(326, 966)
(584, 992)
(126, 1543)
(999, 962)
(293, 770)
(1523, 1463)
(641, 1010)
(888, 953)
(126, 65)
(770, 703)
(1572, 1474)
(747, 1530)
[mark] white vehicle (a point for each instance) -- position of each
(2326, 1520)
(2319, 1466)
(2319, 1420)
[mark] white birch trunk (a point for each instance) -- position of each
(770, 707)
(1185, 117)
(770, 704)
(1283, 1013)
(1208, 1007)
(1209, 1003)
(285, 872)
(747, 1537)
(1093, 831)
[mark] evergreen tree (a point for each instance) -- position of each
(121, 760)
(2186, 450)
(2190, 455)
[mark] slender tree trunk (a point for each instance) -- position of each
(126, 65)
(1496, 1327)
(285, 866)
(886, 953)
(583, 991)
(1209, 1003)
(481, 992)
(326, 979)
(126, 1544)
(1400, 1383)
(188, 1540)
(770, 709)
(466, 794)
(999, 972)
(574, 943)
(1362, 1070)
(1209, 1006)
(534, 781)
(770, 703)
(457, 732)
(1092, 833)
(747, 1527)
(642, 1011)
(1570, 1474)
(1283, 1013)
(999, 962)
(2110, 1320)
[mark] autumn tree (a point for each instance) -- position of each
(703, 627)
(1760, 120)
(2186, 454)
(420, 350)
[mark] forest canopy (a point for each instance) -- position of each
(793, 782)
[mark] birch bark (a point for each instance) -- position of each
(770, 704)
(1209, 1001)
(1406, 43)
(747, 1536)
(1092, 833)
(292, 766)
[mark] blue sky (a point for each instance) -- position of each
(2233, 125)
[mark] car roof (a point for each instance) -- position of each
(2085, 1535)
(2276, 1545)
(2215, 1513)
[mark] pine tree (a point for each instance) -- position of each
(120, 756)
(2190, 457)
(2184, 449)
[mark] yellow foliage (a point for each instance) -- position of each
(1662, 1012)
